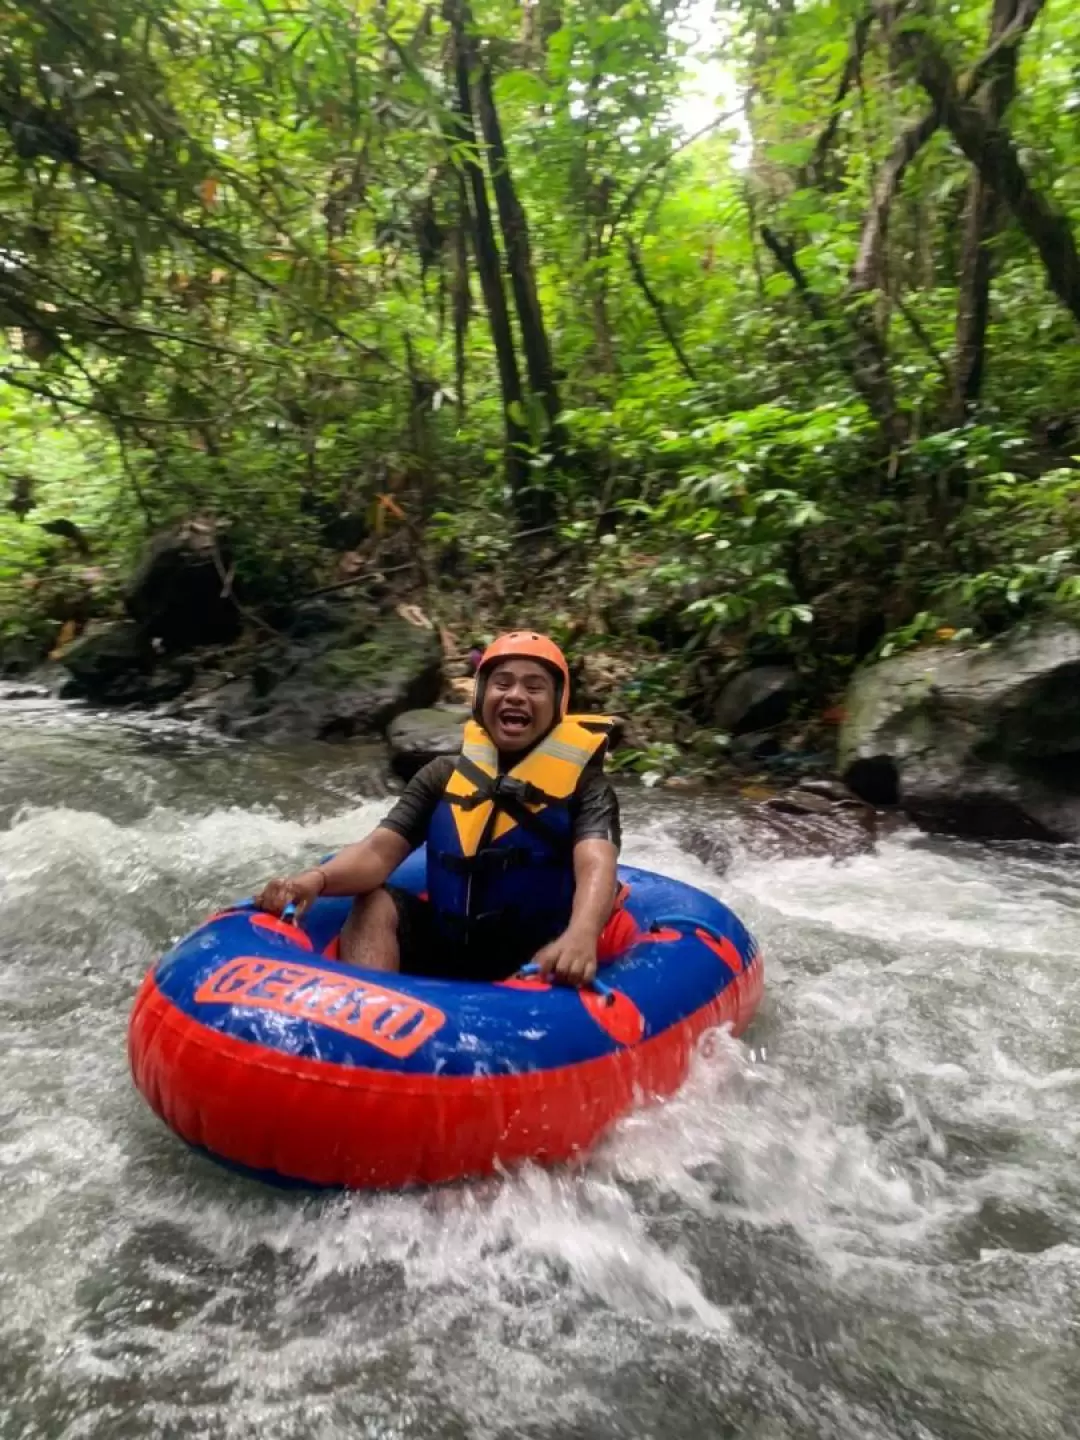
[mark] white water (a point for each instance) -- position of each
(861, 1221)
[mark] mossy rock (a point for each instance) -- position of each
(352, 681)
(417, 736)
(977, 740)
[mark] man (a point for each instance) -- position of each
(522, 834)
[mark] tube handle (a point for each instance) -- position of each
(597, 986)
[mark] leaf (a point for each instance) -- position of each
(520, 87)
(790, 152)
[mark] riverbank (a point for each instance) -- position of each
(964, 737)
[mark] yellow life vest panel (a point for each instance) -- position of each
(547, 775)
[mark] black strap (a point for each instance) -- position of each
(511, 858)
(498, 788)
(513, 797)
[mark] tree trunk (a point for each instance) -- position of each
(815, 173)
(605, 346)
(462, 299)
(518, 478)
(991, 150)
(420, 438)
(859, 349)
(866, 273)
(982, 218)
(597, 208)
(518, 251)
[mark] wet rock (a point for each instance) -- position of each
(316, 617)
(352, 679)
(108, 660)
(177, 594)
(829, 787)
(21, 653)
(754, 745)
(715, 845)
(757, 699)
(418, 736)
(802, 802)
(1005, 1224)
(982, 741)
(117, 665)
(786, 827)
(24, 692)
(791, 824)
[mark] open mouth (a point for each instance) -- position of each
(513, 721)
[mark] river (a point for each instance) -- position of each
(862, 1221)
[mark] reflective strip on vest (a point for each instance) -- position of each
(481, 754)
(561, 751)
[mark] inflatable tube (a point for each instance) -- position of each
(254, 1044)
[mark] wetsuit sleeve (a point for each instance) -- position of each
(595, 808)
(412, 814)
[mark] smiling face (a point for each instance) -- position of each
(519, 703)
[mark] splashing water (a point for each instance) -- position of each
(863, 1220)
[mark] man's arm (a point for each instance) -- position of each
(358, 869)
(572, 956)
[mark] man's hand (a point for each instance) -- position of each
(299, 890)
(356, 870)
(571, 958)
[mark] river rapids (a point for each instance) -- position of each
(861, 1222)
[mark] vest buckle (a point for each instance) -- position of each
(523, 792)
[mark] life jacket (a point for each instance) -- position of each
(500, 846)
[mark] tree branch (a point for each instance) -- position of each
(816, 165)
(919, 330)
(657, 307)
(784, 254)
(211, 247)
(991, 150)
(9, 377)
(862, 355)
(983, 213)
(867, 268)
(1011, 37)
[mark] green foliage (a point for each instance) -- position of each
(235, 257)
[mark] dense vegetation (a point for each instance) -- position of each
(458, 291)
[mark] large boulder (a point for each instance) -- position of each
(417, 736)
(816, 817)
(981, 741)
(19, 654)
(178, 593)
(117, 665)
(350, 677)
(757, 699)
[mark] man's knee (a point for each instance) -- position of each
(375, 910)
(370, 934)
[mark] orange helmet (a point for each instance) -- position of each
(524, 645)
